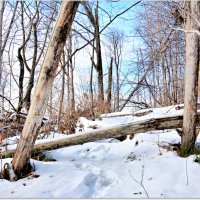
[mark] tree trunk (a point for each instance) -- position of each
(41, 95)
(68, 84)
(91, 86)
(71, 74)
(51, 104)
(165, 94)
(191, 80)
(61, 96)
(21, 81)
(117, 86)
(27, 98)
(110, 85)
(99, 66)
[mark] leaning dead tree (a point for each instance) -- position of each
(38, 106)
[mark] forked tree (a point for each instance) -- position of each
(42, 91)
(94, 19)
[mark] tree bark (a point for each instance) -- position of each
(91, 86)
(71, 74)
(51, 104)
(109, 95)
(61, 96)
(27, 98)
(117, 83)
(41, 95)
(191, 80)
(21, 81)
(99, 65)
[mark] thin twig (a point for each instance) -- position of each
(187, 183)
(140, 182)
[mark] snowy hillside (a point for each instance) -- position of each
(139, 168)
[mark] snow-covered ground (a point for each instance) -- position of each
(137, 168)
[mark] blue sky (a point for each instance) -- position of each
(125, 23)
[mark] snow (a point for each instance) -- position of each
(110, 168)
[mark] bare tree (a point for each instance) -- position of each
(35, 38)
(4, 40)
(115, 38)
(94, 20)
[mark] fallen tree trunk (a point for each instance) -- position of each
(135, 114)
(118, 131)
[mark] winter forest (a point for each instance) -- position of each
(99, 99)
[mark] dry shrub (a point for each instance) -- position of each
(100, 107)
(84, 107)
(6, 115)
(68, 124)
(54, 116)
(46, 128)
(11, 128)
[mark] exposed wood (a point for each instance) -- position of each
(42, 91)
(113, 132)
